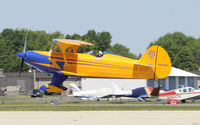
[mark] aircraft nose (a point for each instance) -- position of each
(21, 55)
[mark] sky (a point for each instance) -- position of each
(133, 23)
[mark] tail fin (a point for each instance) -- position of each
(155, 91)
(154, 64)
(74, 88)
(116, 89)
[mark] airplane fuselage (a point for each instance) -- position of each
(80, 64)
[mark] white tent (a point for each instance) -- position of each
(176, 79)
(180, 72)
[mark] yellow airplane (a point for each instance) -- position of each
(154, 64)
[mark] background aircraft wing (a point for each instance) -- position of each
(187, 96)
(103, 93)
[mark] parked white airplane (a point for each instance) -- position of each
(180, 94)
(90, 94)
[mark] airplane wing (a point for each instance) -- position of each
(188, 96)
(103, 93)
(72, 42)
(116, 90)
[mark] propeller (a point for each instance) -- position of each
(24, 50)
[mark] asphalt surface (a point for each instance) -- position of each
(100, 118)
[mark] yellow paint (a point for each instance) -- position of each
(52, 88)
(154, 64)
(72, 42)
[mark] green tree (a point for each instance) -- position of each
(178, 47)
(184, 59)
(103, 41)
(121, 50)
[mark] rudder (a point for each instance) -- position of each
(157, 61)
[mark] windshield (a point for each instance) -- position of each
(191, 90)
(184, 90)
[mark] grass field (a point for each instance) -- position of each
(26, 103)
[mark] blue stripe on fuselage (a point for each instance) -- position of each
(32, 56)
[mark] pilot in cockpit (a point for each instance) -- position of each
(99, 54)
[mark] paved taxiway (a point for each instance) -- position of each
(100, 118)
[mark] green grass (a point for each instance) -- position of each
(78, 103)
(3, 98)
(27, 97)
(62, 105)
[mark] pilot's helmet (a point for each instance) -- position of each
(100, 53)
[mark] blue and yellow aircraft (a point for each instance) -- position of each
(154, 64)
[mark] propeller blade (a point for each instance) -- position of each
(21, 66)
(24, 50)
(25, 41)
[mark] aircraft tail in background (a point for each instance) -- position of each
(155, 91)
(74, 88)
(116, 89)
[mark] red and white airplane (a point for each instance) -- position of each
(180, 94)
